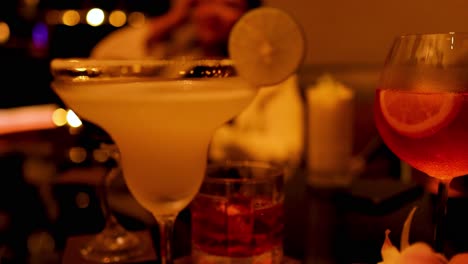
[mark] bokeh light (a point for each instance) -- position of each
(73, 120)
(136, 19)
(77, 154)
(100, 156)
(117, 18)
(4, 32)
(95, 17)
(40, 35)
(59, 117)
(71, 17)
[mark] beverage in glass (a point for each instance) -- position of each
(161, 115)
(421, 109)
(442, 150)
(237, 217)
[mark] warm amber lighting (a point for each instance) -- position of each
(71, 18)
(136, 68)
(4, 32)
(31, 2)
(74, 130)
(95, 17)
(53, 17)
(26, 118)
(136, 19)
(100, 155)
(82, 200)
(59, 117)
(77, 154)
(117, 18)
(73, 120)
(41, 241)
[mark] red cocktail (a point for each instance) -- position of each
(429, 131)
(421, 109)
(238, 214)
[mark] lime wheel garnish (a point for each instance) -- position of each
(267, 46)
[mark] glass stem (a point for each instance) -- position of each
(166, 228)
(441, 215)
(110, 221)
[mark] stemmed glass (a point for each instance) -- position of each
(161, 114)
(421, 110)
(114, 243)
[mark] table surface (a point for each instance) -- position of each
(321, 225)
(344, 225)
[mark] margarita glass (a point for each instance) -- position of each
(161, 114)
(421, 109)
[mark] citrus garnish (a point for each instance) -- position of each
(418, 114)
(267, 45)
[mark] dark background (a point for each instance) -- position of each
(24, 66)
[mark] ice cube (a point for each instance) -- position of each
(240, 223)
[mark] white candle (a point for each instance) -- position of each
(330, 132)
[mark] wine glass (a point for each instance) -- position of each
(114, 243)
(421, 110)
(161, 114)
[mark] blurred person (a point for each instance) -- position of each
(192, 28)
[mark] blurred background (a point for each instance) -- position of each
(34, 31)
(358, 32)
(350, 39)
(361, 31)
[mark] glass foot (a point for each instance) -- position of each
(111, 247)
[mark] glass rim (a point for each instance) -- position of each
(85, 69)
(277, 170)
(432, 34)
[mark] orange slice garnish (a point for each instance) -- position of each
(418, 114)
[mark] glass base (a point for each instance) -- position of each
(274, 256)
(108, 247)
